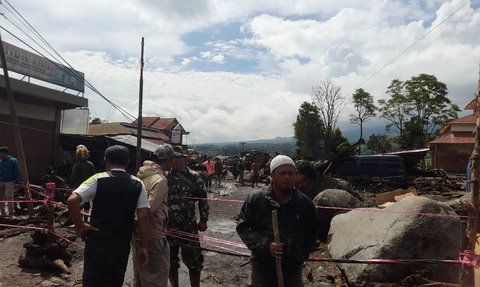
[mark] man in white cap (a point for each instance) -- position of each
(297, 226)
(152, 174)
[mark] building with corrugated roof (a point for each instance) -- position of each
(116, 129)
(171, 127)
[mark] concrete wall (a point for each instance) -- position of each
(452, 157)
(30, 111)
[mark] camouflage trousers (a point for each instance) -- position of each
(191, 252)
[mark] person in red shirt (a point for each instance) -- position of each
(210, 166)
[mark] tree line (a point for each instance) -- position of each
(414, 111)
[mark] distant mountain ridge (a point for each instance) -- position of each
(284, 145)
(277, 140)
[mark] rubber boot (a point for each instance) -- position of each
(194, 278)
(173, 276)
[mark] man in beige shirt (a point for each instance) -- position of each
(152, 173)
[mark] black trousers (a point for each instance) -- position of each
(105, 262)
(264, 274)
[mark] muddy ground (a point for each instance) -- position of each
(219, 269)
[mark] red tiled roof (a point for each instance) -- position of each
(472, 105)
(467, 120)
(455, 138)
(470, 119)
(159, 123)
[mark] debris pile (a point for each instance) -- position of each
(439, 184)
(46, 252)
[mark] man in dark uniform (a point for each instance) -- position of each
(184, 185)
(297, 226)
(82, 169)
(116, 197)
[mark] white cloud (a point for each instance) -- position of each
(295, 44)
(216, 106)
(355, 43)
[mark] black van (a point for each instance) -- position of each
(369, 166)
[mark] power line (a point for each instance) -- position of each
(33, 30)
(410, 46)
(122, 111)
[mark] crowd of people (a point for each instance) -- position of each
(147, 214)
(150, 213)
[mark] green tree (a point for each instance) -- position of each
(96, 121)
(339, 142)
(307, 130)
(379, 144)
(394, 109)
(364, 108)
(417, 108)
(430, 108)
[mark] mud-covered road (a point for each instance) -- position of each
(219, 269)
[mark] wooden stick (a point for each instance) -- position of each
(276, 239)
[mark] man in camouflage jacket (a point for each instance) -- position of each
(185, 188)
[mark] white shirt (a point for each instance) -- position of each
(88, 189)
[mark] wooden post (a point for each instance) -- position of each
(139, 119)
(467, 272)
(16, 129)
(276, 239)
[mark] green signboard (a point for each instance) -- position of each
(27, 63)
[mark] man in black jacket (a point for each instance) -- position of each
(297, 225)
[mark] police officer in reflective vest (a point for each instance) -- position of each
(116, 196)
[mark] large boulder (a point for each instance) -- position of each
(461, 205)
(324, 182)
(332, 198)
(361, 234)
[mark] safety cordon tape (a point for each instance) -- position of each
(363, 209)
(467, 258)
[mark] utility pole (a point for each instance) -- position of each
(467, 274)
(16, 129)
(139, 119)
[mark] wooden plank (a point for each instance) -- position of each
(390, 196)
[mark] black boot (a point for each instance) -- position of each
(194, 278)
(173, 276)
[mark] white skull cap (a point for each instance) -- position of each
(280, 160)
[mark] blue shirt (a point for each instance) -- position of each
(9, 170)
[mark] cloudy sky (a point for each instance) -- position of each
(234, 70)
